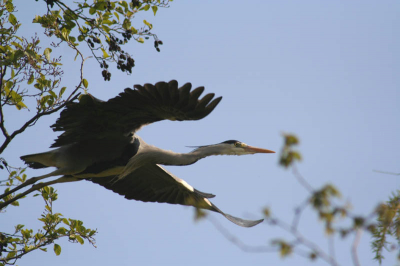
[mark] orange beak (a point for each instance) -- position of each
(257, 150)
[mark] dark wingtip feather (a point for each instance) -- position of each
(173, 84)
(209, 108)
(195, 94)
(205, 100)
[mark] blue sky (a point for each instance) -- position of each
(326, 71)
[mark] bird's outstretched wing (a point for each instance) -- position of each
(91, 118)
(152, 183)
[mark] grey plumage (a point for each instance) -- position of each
(99, 144)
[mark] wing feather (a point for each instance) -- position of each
(152, 183)
(91, 118)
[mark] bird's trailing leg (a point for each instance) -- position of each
(37, 187)
(235, 220)
(32, 181)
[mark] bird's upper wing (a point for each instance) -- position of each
(92, 118)
(152, 183)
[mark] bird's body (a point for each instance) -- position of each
(99, 144)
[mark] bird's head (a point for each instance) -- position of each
(231, 147)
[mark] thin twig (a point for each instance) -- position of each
(388, 173)
(331, 246)
(298, 212)
(263, 249)
(304, 241)
(302, 180)
(237, 242)
(354, 255)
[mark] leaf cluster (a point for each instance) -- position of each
(29, 71)
(288, 154)
(382, 222)
(388, 224)
(55, 226)
(22, 63)
(16, 176)
(104, 26)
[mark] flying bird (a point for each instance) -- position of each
(99, 144)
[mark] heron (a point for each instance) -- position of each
(99, 143)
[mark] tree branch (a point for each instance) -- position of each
(2, 126)
(33, 120)
(39, 186)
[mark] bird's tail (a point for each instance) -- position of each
(38, 160)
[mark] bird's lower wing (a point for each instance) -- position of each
(152, 183)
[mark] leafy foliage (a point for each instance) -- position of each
(104, 26)
(288, 155)
(22, 240)
(31, 78)
(15, 175)
(388, 225)
(382, 222)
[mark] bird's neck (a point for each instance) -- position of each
(165, 157)
(153, 155)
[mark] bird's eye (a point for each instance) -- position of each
(238, 144)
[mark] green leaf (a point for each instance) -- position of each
(12, 19)
(85, 83)
(31, 79)
(92, 10)
(105, 55)
(9, 6)
(106, 29)
(148, 24)
(47, 52)
(146, 7)
(11, 254)
(15, 203)
(155, 8)
(124, 4)
(116, 15)
(65, 34)
(62, 230)
(62, 91)
(18, 227)
(141, 40)
(80, 240)
(57, 249)
(52, 93)
(267, 212)
(21, 105)
(285, 248)
(126, 24)
(291, 140)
